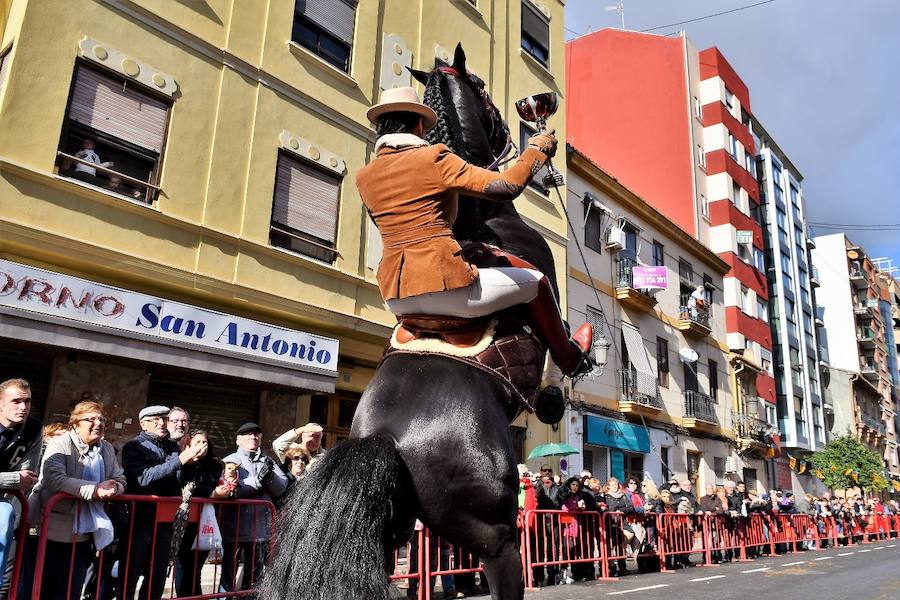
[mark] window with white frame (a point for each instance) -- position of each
(325, 28)
(305, 208)
(747, 302)
(113, 134)
(701, 156)
(704, 205)
(762, 310)
(732, 146)
(759, 260)
(698, 108)
(729, 99)
(535, 33)
(592, 225)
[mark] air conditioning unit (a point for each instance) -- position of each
(615, 237)
(730, 465)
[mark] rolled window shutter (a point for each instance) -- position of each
(337, 17)
(5, 59)
(118, 109)
(536, 25)
(306, 199)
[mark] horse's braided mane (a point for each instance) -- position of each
(447, 130)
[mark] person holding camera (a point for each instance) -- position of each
(246, 530)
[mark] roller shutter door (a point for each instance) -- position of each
(35, 367)
(218, 409)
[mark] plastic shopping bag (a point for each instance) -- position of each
(209, 537)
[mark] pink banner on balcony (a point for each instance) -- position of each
(650, 278)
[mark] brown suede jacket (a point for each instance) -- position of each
(411, 193)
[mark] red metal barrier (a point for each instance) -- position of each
(557, 538)
(829, 531)
(143, 527)
(413, 567)
(781, 531)
(21, 536)
(756, 533)
(805, 530)
(677, 536)
(723, 535)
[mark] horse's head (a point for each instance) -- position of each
(468, 122)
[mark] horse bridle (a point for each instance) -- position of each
(502, 157)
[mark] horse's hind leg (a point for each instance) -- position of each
(504, 573)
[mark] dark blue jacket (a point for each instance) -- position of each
(152, 466)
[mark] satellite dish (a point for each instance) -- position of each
(688, 355)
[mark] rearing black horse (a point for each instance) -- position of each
(430, 438)
(472, 127)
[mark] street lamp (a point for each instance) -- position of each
(601, 348)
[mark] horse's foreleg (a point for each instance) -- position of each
(504, 573)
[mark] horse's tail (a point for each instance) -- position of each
(332, 530)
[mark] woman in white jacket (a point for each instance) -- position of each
(82, 464)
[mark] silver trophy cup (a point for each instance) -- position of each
(536, 109)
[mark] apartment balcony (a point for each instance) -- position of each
(625, 290)
(859, 278)
(866, 309)
(750, 432)
(869, 369)
(874, 425)
(814, 276)
(635, 402)
(694, 318)
(866, 337)
(699, 411)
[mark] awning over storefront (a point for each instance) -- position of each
(601, 431)
(640, 360)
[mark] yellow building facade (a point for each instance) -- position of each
(218, 184)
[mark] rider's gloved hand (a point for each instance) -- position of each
(545, 142)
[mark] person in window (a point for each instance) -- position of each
(410, 190)
(697, 302)
(82, 464)
(88, 153)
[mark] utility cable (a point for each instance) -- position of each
(703, 18)
(609, 328)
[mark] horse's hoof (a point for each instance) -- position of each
(550, 405)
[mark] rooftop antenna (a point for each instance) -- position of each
(619, 8)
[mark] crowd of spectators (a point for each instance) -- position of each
(143, 543)
(638, 498)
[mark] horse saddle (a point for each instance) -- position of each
(501, 345)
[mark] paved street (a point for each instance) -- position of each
(868, 572)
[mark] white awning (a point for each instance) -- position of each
(640, 360)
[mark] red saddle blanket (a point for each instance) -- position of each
(514, 355)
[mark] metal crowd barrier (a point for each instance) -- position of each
(143, 547)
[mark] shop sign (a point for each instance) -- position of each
(617, 434)
(649, 278)
(90, 305)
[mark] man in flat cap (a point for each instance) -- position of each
(246, 532)
(152, 464)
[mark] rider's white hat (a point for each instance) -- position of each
(402, 99)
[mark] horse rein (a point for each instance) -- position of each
(503, 157)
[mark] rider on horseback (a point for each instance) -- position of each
(410, 190)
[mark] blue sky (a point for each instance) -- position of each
(824, 79)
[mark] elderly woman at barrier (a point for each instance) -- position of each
(82, 464)
(620, 532)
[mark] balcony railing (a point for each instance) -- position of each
(750, 428)
(698, 405)
(690, 310)
(625, 274)
(873, 423)
(630, 391)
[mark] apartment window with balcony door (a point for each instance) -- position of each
(759, 260)
(659, 255)
(729, 99)
(743, 252)
(736, 194)
(762, 310)
(732, 146)
(780, 218)
(746, 302)
(799, 416)
(771, 414)
(714, 380)
(709, 288)
(592, 226)
(662, 362)
(535, 33)
(113, 134)
(305, 209)
(719, 469)
(325, 28)
(786, 270)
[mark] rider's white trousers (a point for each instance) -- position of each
(495, 289)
